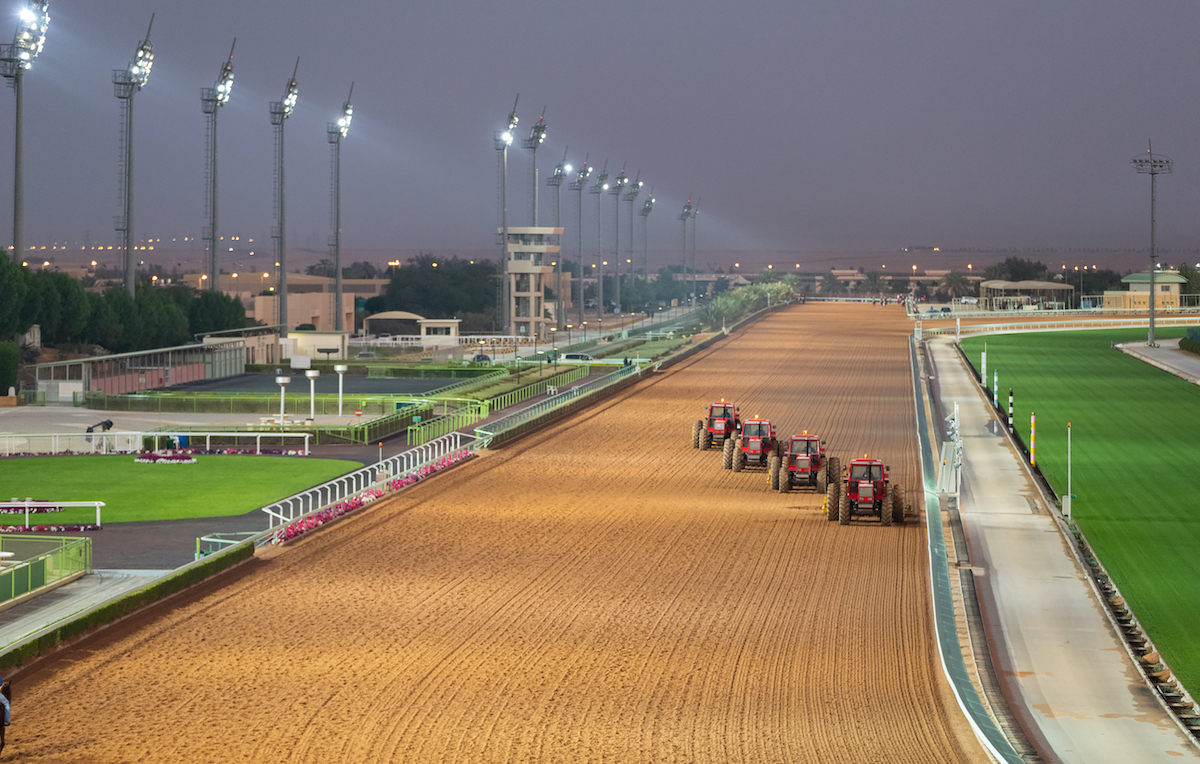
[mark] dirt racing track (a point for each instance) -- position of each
(596, 592)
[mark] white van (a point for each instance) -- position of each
(577, 357)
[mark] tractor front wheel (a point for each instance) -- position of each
(697, 427)
(785, 478)
(833, 470)
(885, 511)
(831, 502)
(773, 475)
(739, 460)
(843, 505)
(706, 439)
(822, 480)
(727, 453)
(898, 504)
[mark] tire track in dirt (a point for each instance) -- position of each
(597, 591)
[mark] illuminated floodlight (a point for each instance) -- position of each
(280, 110)
(335, 132)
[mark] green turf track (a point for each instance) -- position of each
(1135, 443)
(215, 486)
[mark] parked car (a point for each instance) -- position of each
(481, 358)
(577, 357)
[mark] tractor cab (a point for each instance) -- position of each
(867, 491)
(720, 423)
(755, 445)
(805, 464)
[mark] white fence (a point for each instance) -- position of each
(132, 442)
(1059, 326)
(339, 489)
(29, 505)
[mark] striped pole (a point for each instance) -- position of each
(983, 365)
(1010, 409)
(996, 389)
(1032, 439)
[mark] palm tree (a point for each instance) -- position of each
(956, 284)
(872, 283)
(831, 284)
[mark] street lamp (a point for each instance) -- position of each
(312, 375)
(126, 82)
(578, 185)
(598, 189)
(1153, 165)
(211, 99)
(695, 215)
(503, 140)
(647, 208)
(569, 334)
(618, 188)
(33, 19)
(280, 111)
(340, 369)
(561, 171)
(335, 132)
(283, 382)
(683, 216)
(635, 188)
(537, 134)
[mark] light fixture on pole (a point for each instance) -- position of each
(647, 208)
(600, 186)
(126, 82)
(33, 19)
(1153, 165)
(504, 139)
(695, 214)
(635, 188)
(341, 369)
(280, 111)
(683, 216)
(211, 100)
(618, 188)
(335, 132)
(312, 375)
(577, 185)
(561, 171)
(537, 134)
(283, 382)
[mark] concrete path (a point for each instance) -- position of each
(1168, 357)
(1066, 672)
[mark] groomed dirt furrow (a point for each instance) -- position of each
(596, 592)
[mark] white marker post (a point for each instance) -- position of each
(1067, 499)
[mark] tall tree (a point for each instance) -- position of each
(831, 284)
(956, 285)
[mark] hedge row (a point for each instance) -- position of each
(126, 606)
(1189, 344)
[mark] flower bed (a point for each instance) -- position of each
(172, 458)
(74, 528)
(15, 508)
(359, 500)
(192, 451)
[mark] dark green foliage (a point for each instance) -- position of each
(453, 288)
(306, 327)
(1015, 269)
(10, 357)
(12, 296)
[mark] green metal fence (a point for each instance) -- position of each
(242, 403)
(424, 432)
(367, 432)
(514, 397)
(32, 397)
(40, 561)
(479, 381)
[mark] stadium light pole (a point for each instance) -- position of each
(341, 370)
(211, 100)
(280, 111)
(647, 208)
(618, 188)
(1153, 165)
(537, 134)
(126, 82)
(335, 132)
(635, 188)
(695, 214)
(598, 189)
(577, 185)
(504, 139)
(683, 216)
(561, 171)
(33, 19)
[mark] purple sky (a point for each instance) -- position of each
(799, 126)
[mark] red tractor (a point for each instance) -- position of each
(721, 423)
(867, 490)
(804, 464)
(756, 444)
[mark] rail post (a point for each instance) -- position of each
(1032, 439)
(1010, 409)
(996, 389)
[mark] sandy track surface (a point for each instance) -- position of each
(597, 592)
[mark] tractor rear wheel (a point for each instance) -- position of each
(773, 472)
(897, 504)
(697, 427)
(785, 478)
(885, 510)
(727, 453)
(739, 460)
(706, 439)
(822, 480)
(843, 505)
(833, 470)
(831, 502)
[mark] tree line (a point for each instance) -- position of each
(157, 316)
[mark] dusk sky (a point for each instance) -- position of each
(799, 127)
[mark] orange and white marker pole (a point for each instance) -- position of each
(1032, 439)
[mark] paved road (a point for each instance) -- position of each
(1068, 675)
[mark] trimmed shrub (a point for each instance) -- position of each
(10, 356)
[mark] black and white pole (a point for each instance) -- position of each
(1010, 409)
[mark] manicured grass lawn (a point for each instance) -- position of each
(214, 486)
(1135, 440)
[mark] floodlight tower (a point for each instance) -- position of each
(687, 213)
(537, 134)
(280, 111)
(33, 19)
(211, 100)
(335, 132)
(598, 189)
(647, 208)
(1153, 165)
(618, 188)
(503, 140)
(561, 170)
(577, 185)
(126, 82)
(695, 214)
(635, 188)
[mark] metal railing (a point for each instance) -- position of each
(1051, 326)
(514, 397)
(40, 561)
(481, 380)
(135, 442)
(424, 432)
(29, 505)
(241, 403)
(340, 488)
